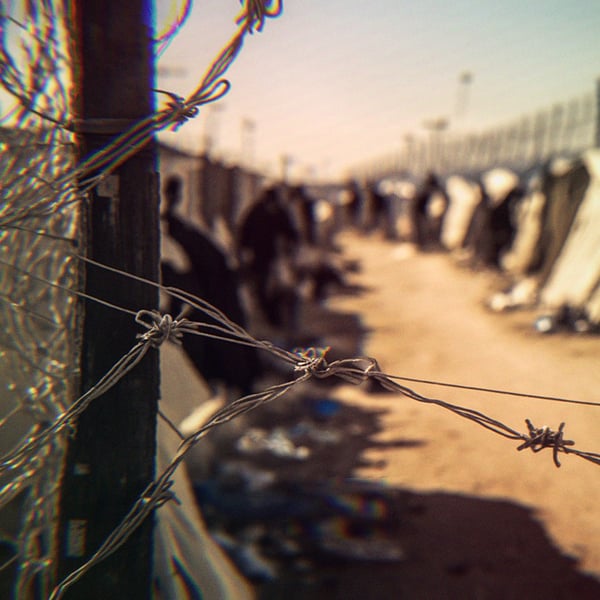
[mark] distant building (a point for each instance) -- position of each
(213, 191)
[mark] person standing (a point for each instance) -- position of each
(268, 240)
(213, 279)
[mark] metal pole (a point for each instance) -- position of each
(597, 132)
(110, 457)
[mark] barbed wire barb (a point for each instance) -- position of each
(308, 362)
(44, 189)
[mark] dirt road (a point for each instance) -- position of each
(427, 319)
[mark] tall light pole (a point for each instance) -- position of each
(465, 79)
(286, 163)
(436, 127)
(408, 152)
(211, 128)
(248, 130)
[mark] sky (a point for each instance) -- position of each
(336, 83)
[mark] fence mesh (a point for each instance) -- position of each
(564, 129)
(40, 293)
(37, 321)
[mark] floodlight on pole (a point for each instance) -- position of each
(465, 79)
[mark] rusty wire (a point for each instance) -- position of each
(58, 192)
(177, 110)
(305, 364)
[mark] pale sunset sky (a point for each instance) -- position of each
(333, 83)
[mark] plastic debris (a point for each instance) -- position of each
(373, 546)
(277, 442)
(325, 408)
(306, 429)
(251, 478)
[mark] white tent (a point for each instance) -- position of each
(464, 196)
(576, 272)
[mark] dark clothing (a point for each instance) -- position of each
(355, 206)
(492, 229)
(267, 241)
(306, 210)
(502, 226)
(217, 281)
(267, 230)
(427, 227)
(378, 209)
(212, 279)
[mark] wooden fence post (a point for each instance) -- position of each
(111, 455)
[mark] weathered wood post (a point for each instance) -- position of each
(110, 458)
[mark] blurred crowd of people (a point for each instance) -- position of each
(281, 252)
(281, 255)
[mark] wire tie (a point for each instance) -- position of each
(544, 437)
(181, 111)
(310, 358)
(160, 328)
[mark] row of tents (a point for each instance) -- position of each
(541, 228)
(551, 256)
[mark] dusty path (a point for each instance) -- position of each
(427, 320)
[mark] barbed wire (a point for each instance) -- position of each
(354, 370)
(96, 167)
(58, 192)
(305, 363)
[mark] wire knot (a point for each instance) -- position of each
(352, 370)
(544, 437)
(255, 12)
(180, 110)
(310, 359)
(160, 327)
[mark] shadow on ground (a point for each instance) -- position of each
(284, 503)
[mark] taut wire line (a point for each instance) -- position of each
(495, 391)
(310, 362)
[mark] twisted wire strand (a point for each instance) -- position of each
(487, 390)
(163, 40)
(231, 331)
(159, 491)
(306, 363)
(310, 362)
(16, 458)
(354, 370)
(159, 328)
(178, 110)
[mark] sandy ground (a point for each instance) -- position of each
(399, 499)
(426, 319)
